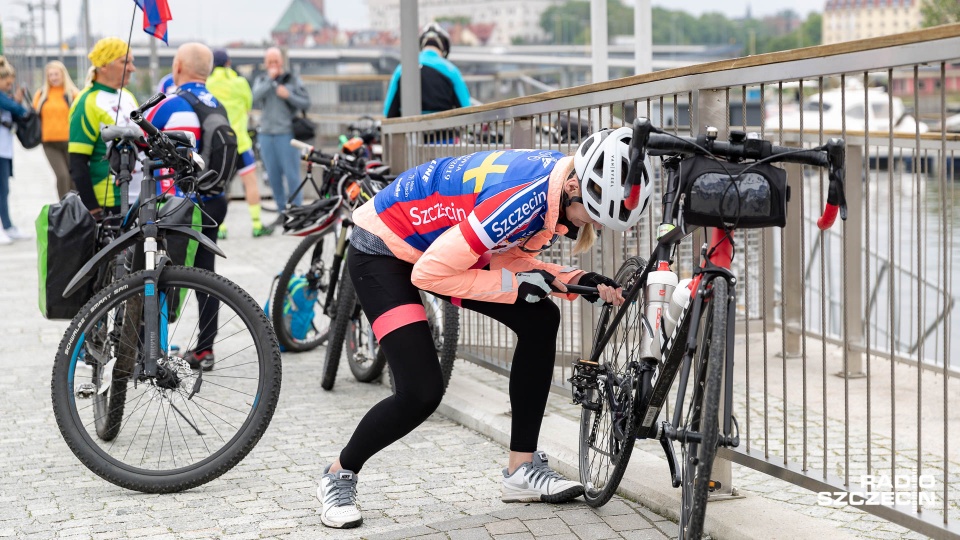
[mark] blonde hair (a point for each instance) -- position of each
(6, 68)
(70, 90)
(586, 239)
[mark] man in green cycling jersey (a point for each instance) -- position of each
(233, 91)
(101, 103)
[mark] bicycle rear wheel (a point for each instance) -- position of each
(184, 427)
(702, 416)
(301, 313)
(348, 309)
(608, 422)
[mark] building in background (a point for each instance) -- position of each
(847, 20)
(491, 22)
(304, 24)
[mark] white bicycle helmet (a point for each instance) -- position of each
(434, 35)
(601, 163)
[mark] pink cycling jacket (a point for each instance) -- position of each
(461, 221)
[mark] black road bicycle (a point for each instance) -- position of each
(637, 356)
(163, 426)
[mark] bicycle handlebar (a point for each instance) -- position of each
(309, 153)
(830, 156)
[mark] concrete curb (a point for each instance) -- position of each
(481, 408)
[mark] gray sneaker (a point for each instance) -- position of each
(338, 493)
(535, 481)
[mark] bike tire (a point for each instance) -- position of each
(347, 306)
(446, 345)
(364, 356)
(320, 328)
(601, 484)
(252, 422)
(698, 458)
(108, 408)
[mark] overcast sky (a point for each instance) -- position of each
(221, 21)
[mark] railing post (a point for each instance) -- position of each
(852, 264)
(397, 152)
(521, 132)
(792, 286)
(711, 110)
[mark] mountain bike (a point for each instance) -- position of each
(170, 427)
(349, 328)
(665, 327)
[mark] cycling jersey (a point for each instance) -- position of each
(176, 114)
(166, 85)
(98, 106)
(441, 87)
(454, 217)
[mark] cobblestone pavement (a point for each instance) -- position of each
(442, 481)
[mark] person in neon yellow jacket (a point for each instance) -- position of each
(233, 91)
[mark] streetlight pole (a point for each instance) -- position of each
(59, 30)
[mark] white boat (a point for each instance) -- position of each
(874, 107)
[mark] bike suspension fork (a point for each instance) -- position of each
(151, 302)
(338, 256)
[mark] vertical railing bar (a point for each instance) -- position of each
(920, 255)
(783, 297)
(866, 272)
(892, 287)
(946, 289)
(846, 334)
(803, 297)
(823, 295)
(746, 295)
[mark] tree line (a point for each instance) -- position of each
(569, 23)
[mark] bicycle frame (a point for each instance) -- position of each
(656, 377)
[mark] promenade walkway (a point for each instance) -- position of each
(441, 481)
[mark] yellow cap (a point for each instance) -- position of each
(107, 50)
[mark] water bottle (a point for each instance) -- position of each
(660, 286)
(678, 302)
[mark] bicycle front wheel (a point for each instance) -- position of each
(303, 302)
(608, 423)
(702, 416)
(183, 427)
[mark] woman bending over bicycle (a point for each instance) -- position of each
(467, 229)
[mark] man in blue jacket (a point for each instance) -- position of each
(441, 84)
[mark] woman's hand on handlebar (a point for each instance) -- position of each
(608, 290)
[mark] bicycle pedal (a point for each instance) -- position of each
(85, 390)
(713, 485)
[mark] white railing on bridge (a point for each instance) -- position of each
(847, 361)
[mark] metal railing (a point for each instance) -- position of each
(847, 364)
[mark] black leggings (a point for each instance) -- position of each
(383, 287)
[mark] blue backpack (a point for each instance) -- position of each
(298, 310)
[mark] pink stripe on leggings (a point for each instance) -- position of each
(398, 317)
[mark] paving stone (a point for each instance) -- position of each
(627, 522)
(593, 531)
(543, 527)
(462, 523)
(476, 533)
(506, 526)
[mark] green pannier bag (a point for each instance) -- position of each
(66, 240)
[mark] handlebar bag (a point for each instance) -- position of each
(742, 195)
(66, 240)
